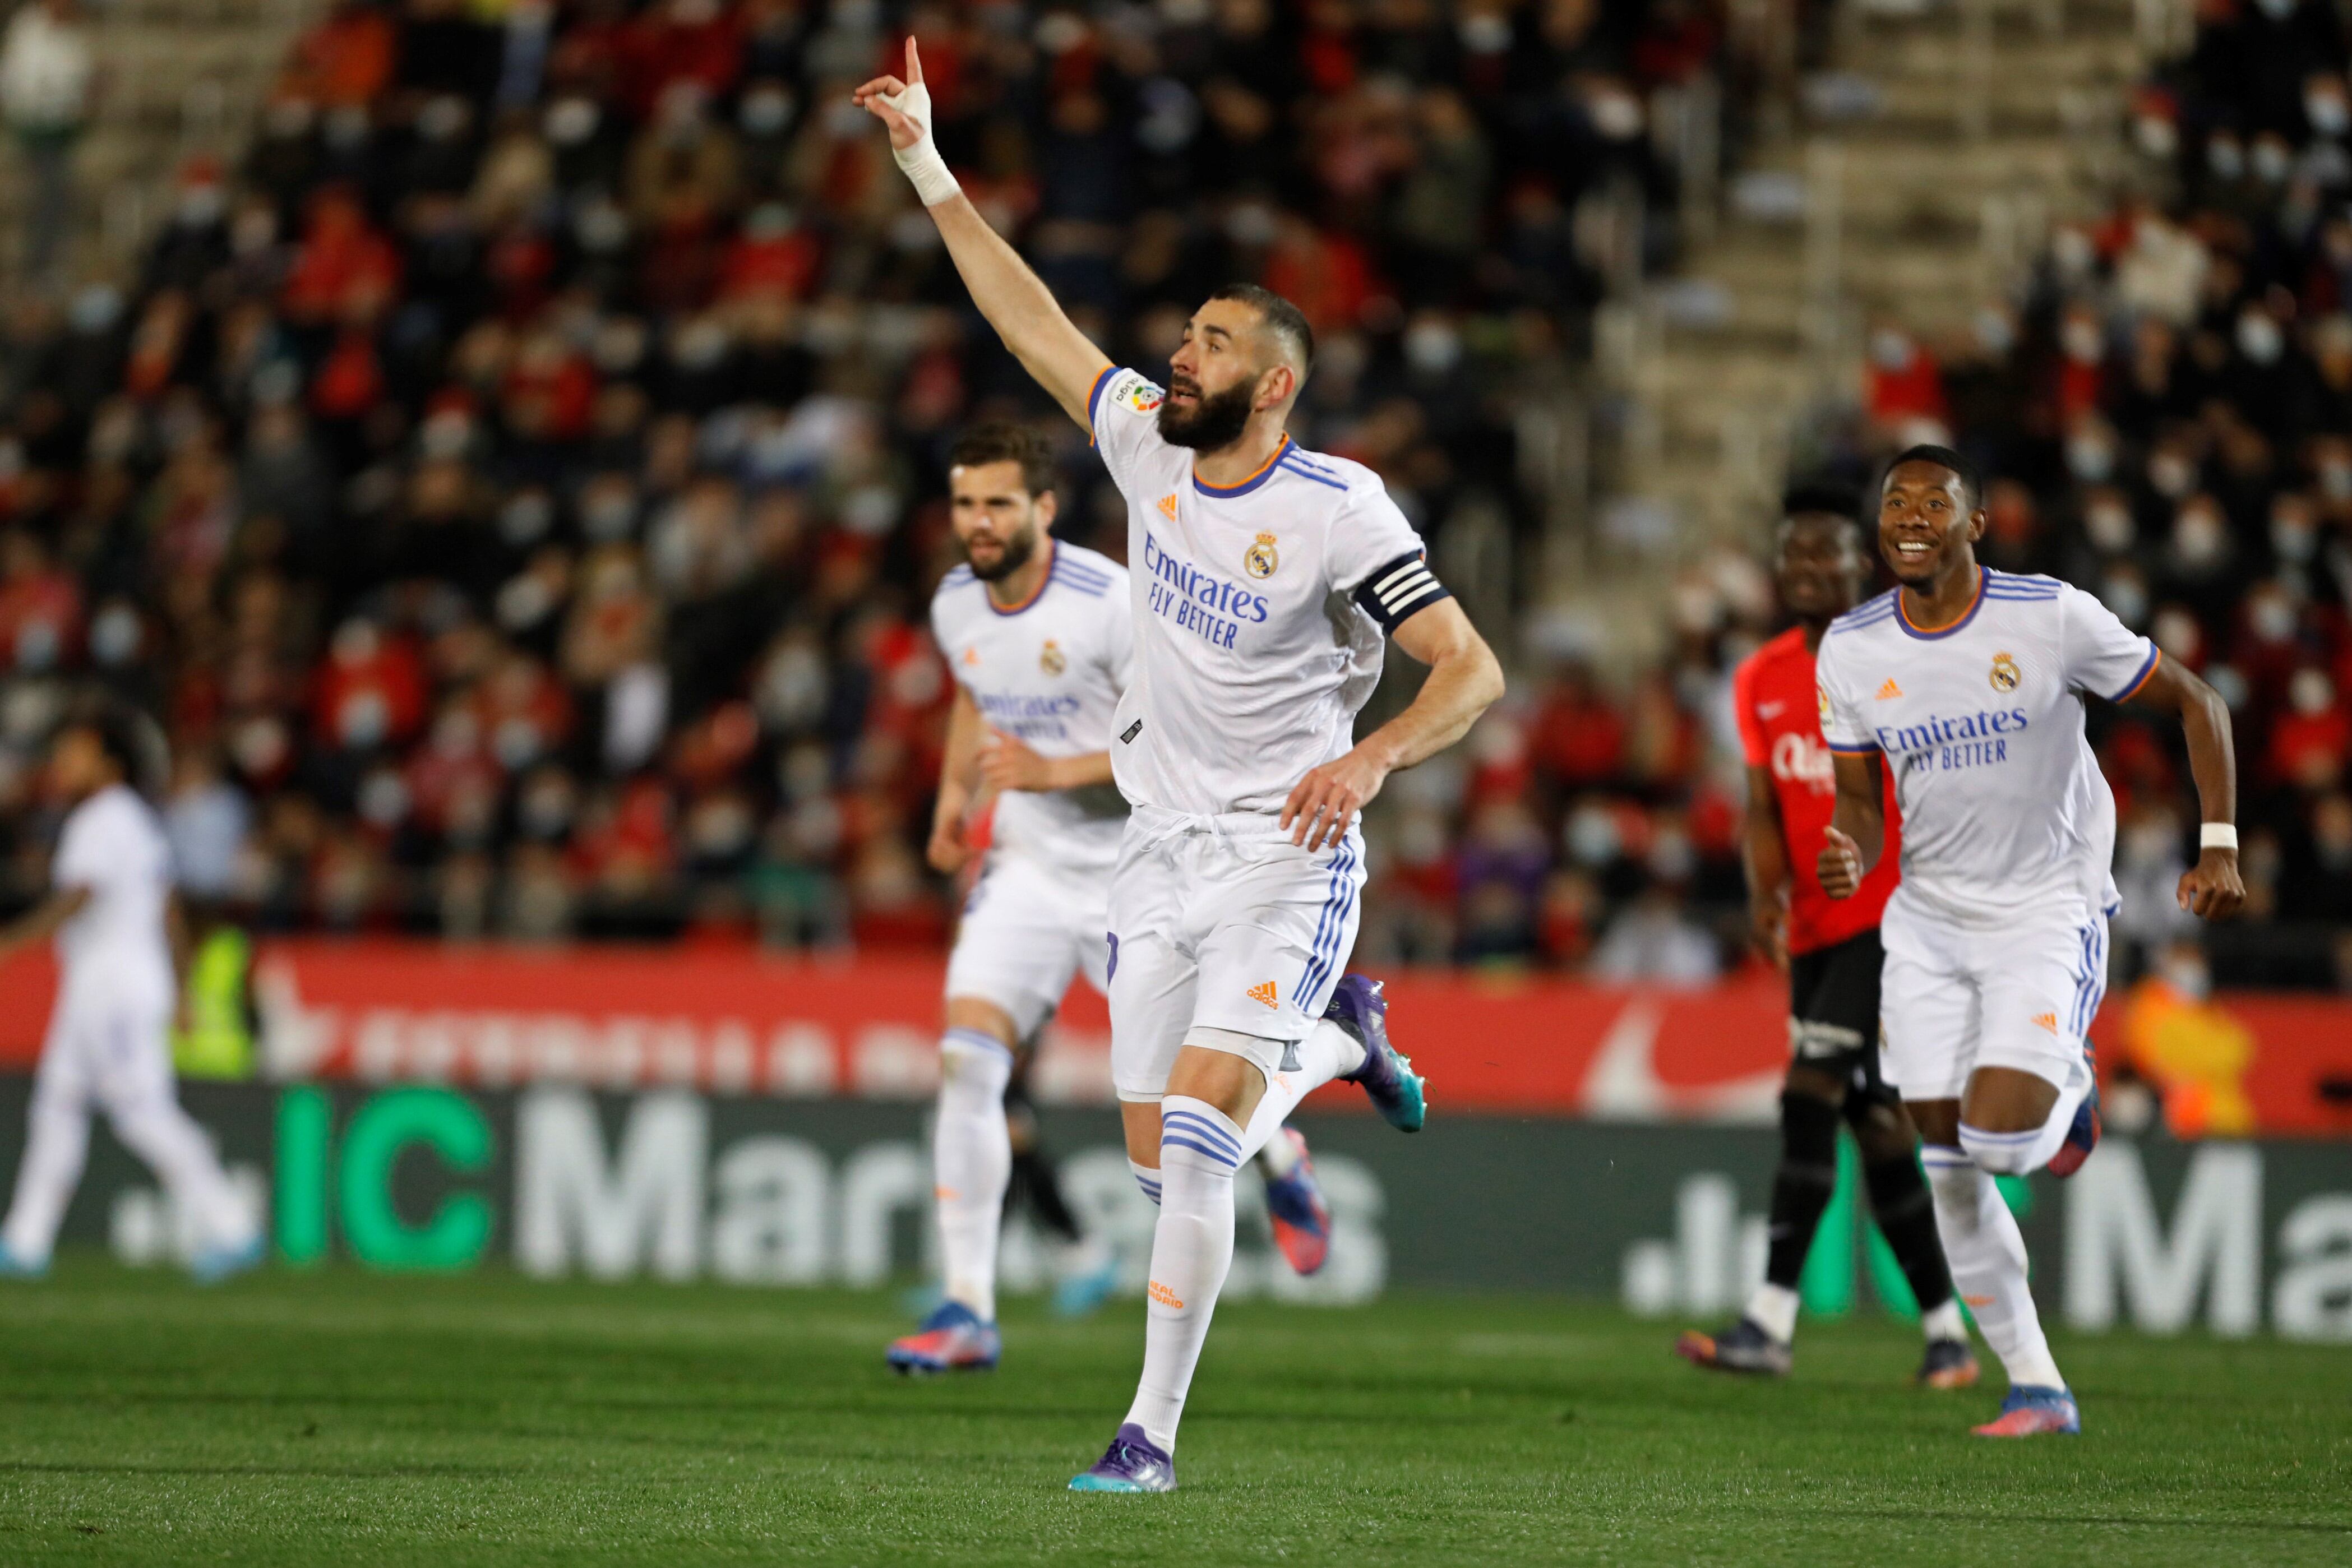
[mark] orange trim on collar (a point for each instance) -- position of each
(1984, 580)
(1280, 448)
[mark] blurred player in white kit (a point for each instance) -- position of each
(112, 910)
(1266, 581)
(1040, 637)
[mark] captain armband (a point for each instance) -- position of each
(1395, 593)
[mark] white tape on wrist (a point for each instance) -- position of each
(922, 162)
(2217, 836)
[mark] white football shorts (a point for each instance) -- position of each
(1026, 930)
(1954, 998)
(107, 1049)
(1223, 923)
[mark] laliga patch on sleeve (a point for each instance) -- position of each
(1137, 395)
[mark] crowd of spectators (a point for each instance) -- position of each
(2166, 416)
(514, 482)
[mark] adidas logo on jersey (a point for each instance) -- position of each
(1168, 505)
(1264, 992)
(1889, 690)
(2046, 1021)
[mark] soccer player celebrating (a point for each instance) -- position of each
(1263, 579)
(1040, 637)
(1969, 684)
(113, 914)
(1830, 951)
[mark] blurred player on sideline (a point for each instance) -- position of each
(1969, 683)
(1830, 951)
(1039, 637)
(1265, 578)
(116, 922)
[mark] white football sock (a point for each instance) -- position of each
(1192, 1249)
(1326, 1052)
(1773, 1308)
(57, 1136)
(1987, 1253)
(972, 1161)
(159, 1132)
(1147, 1178)
(1945, 1322)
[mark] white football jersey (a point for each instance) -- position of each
(2004, 809)
(1049, 673)
(1260, 610)
(113, 845)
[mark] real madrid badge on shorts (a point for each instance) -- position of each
(1260, 559)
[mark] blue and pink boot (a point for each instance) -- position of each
(1294, 1210)
(952, 1338)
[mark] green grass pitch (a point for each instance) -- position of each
(338, 1417)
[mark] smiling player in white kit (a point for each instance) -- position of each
(111, 910)
(1970, 684)
(1263, 578)
(1040, 637)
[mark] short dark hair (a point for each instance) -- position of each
(1284, 319)
(1819, 495)
(1002, 443)
(122, 734)
(1971, 484)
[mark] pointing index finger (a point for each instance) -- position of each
(914, 63)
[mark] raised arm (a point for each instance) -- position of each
(1015, 301)
(1857, 831)
(2211, 888)
(1464, 680)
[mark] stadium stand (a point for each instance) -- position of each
(513, 478)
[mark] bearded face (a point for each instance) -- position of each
(995, 557)
(1209, 421)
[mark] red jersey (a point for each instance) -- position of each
(1780, 731)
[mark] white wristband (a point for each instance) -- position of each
(2217, 836)
(922, 162)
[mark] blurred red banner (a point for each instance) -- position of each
(736, 1020)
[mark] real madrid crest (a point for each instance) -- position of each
(1260, 558)
(2005, 673)
(1050, 659)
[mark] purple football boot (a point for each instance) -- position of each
(1358, 1007)
(1134, 1463)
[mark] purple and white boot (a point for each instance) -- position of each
(1387, 1078)
(1134, 1463)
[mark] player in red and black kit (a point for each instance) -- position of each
(1829, 949)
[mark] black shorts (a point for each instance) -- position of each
(1834, 1012)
